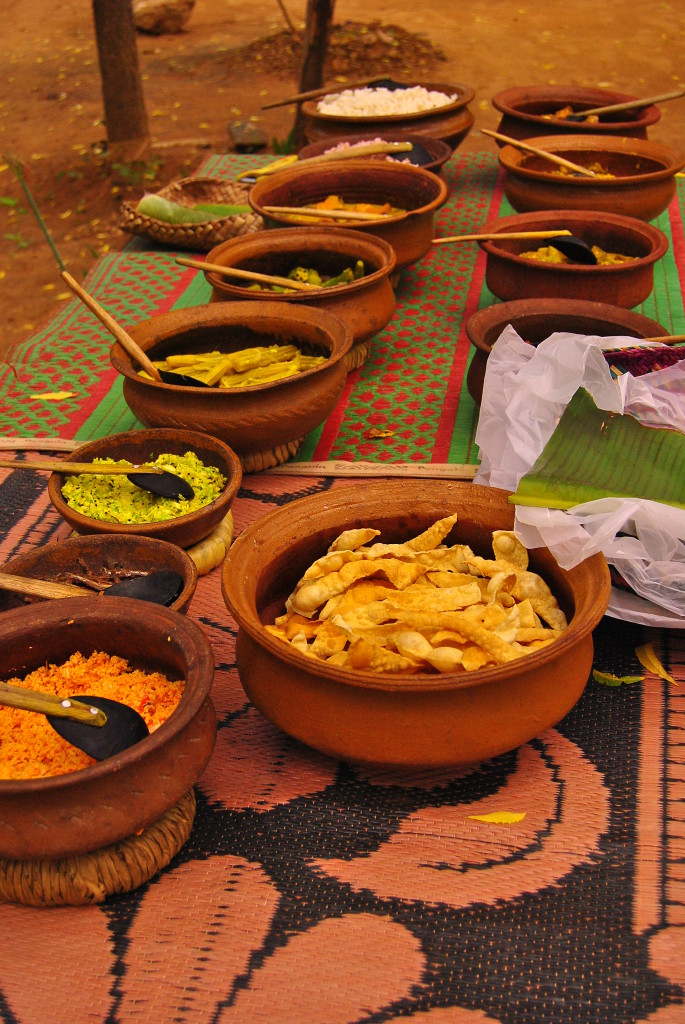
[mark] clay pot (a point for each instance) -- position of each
(89, 809)
(510, 276)
(438, 150)
(139, 446)
(366, 305)
(101, 556)
(404, 720)
(643, 186)
(264, 424)
(450, 124)
(404, 186)
(523, 110)
(536, 319)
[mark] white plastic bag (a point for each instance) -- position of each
(525, 393)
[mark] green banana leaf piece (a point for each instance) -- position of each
(597, 454)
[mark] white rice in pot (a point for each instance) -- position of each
(378, 102)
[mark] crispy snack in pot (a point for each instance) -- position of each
(421, 605)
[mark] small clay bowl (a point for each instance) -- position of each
(89, 809)
(366, 305)
(511, 276)
(450, 124)
(534, 320)
(138, 447)
(404, 186)
(526, 112)
(643, 184)
(264, 424)
(101, 558)
(438, 152)
(402, 720)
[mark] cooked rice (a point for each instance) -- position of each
(378, 102)
(29, 746)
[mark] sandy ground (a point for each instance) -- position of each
(51, 108)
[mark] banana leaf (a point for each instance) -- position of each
(596, 454)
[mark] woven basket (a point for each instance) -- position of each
(198, 237)
(91, 877)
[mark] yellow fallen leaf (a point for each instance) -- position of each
(499, 817)
(55, 396)
(648, 659)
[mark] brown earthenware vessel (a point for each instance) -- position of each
(89, 809)
(643, 184)
(101, 557)
(525, 112)
(138, 447)
(264, 424)
(417, 191)
(402, 720)
(534, 320)
(450, 124)
(365, 305)
(511, 276)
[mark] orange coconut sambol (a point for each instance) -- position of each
(29, 746)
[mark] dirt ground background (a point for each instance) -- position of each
(233, 58)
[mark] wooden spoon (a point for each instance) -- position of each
(96, 725)
(612, 108)
(386, 83)
(560, 160)
(348, 215)
(160, 587)
(148, 478)
(570, 245)
(248, 275)
(126, 341)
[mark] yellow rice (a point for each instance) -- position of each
(29, 746)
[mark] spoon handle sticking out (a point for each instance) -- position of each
(342, 215)
(50, 704)
(247, 275)
(545, 154)
(115, 329)
(632, 104)
(497, 235)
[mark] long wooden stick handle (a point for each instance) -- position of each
(115, 329)
(342, 468)
(633, 104)
(50, 704)
(502, 234)
(247, 275)
(315, 93)
(38, 588)
(313, 211)
(59, 466)
(668, 339)
(545, 154)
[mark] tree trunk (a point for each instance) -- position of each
(122, 91)
(317, 30)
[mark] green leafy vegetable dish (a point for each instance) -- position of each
(115, 499)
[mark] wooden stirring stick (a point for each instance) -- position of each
(312, 211)
(248, 275)
(124, 339)
(59, 466)
(315, 93)
(497, 235)
(357, 151)
(545, 154)
(632, 104)
(38, 588)
(667, 339)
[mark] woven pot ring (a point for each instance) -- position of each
(91, 877)
(255, 462)
(199, 237)
(357, 356)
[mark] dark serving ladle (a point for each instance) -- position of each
(127, 342)
(148, 478)
(97, 725)
(160, 587)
